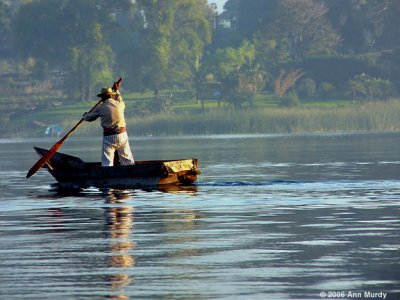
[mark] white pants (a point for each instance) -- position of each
(119, 143)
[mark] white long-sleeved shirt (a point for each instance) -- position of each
(111, 113)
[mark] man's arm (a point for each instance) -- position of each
(91, 116)
(118, 96)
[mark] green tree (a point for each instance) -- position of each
(173, 35)
(191, 34)
(366, 25)
(156, 47)
(247, 17)
(389, 16)
(91, 63)
(240, 75)
(68, 35)
(299, 26)
(5, 23)
(370, 88)
(270, 54)
(303, 24)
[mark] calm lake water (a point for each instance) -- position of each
(272, 217)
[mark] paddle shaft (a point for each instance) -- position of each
(77, 124)
(44, 159)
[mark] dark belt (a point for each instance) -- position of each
(111, 131)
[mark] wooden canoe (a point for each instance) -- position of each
(72, 172)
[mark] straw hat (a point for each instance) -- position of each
(108, 91)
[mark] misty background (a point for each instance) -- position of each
(214, 58)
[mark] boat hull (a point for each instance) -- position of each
(72, 172)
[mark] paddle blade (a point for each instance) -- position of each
(40, 163)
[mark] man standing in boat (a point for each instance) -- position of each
(115, 137)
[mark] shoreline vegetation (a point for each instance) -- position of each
(188, 68)
(374, 116)
(377, 116)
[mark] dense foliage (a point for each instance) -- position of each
(290, 48)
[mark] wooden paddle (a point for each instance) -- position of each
(45, 158)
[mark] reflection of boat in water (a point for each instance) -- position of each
(72, 172)
(173, 227)
(116, 243)
(120, 226)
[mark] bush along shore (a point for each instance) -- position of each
(371, 116)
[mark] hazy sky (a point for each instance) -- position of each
(220, 3)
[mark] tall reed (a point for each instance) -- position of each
(373, 116)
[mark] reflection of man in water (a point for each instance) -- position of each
(120, 224)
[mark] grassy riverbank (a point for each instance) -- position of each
(373, 116)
